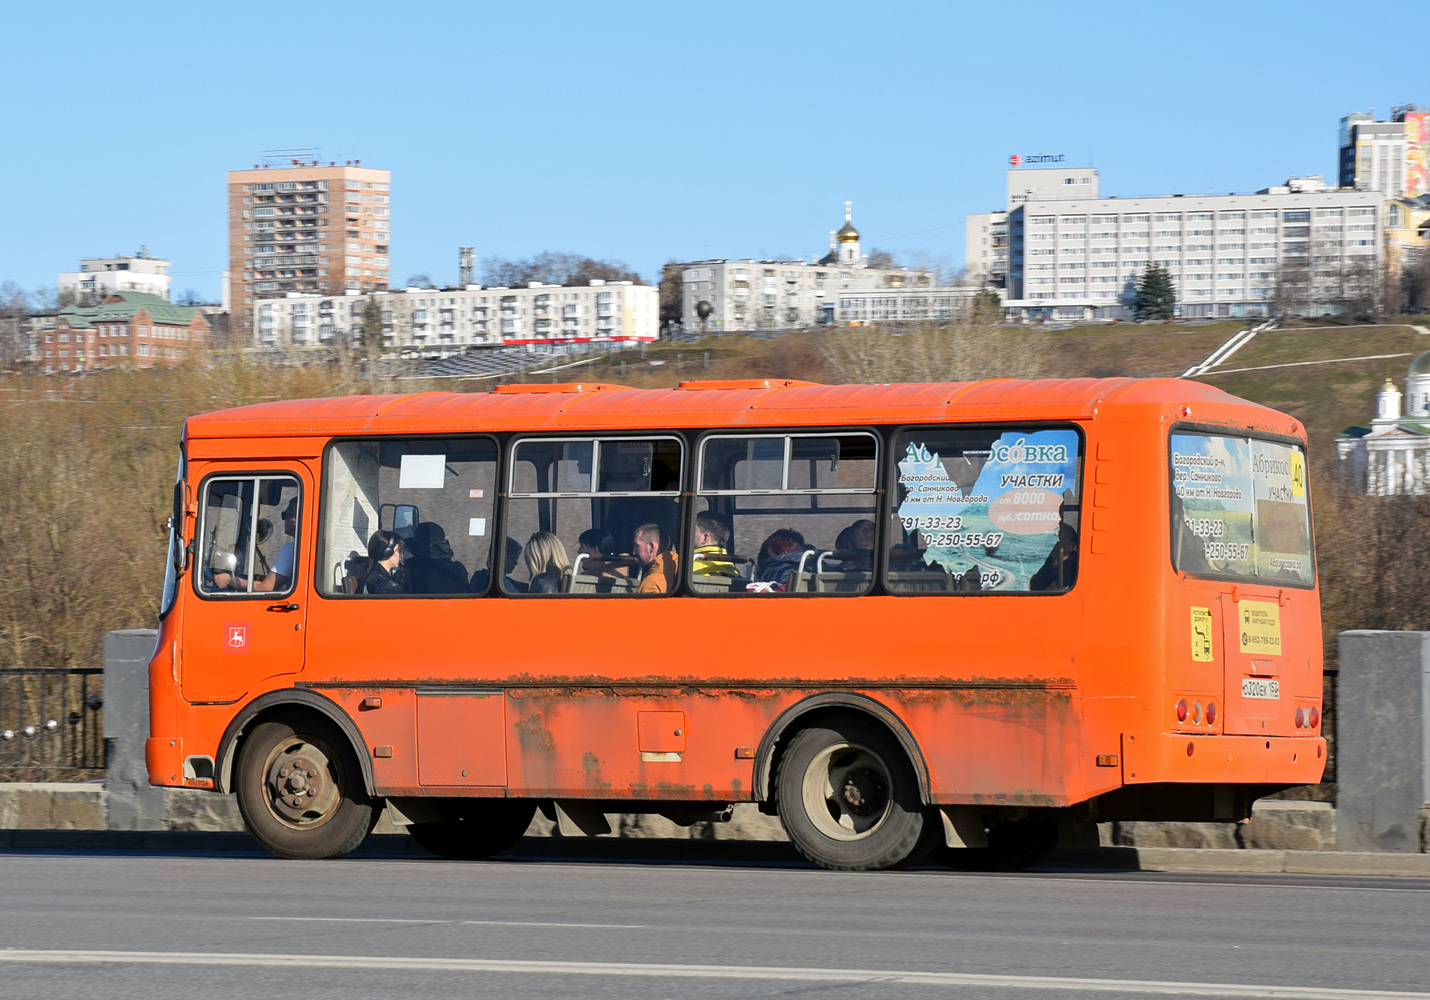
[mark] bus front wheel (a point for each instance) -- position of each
(471, 829)
(300, 790)
(848, 798)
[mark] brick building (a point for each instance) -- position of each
(128, 328)
(305, 228)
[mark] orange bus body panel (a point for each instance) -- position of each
(1008, 699)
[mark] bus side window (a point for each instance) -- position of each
(785, 514)
(980, 509)
(427, 503)
(593, 516)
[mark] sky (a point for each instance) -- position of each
(646, 132)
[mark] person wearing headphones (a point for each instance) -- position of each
(384, 548)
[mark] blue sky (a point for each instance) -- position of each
(644, 132)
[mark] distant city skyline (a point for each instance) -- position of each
(651, 133)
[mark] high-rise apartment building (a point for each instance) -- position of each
(1389, 158)
(306, 228)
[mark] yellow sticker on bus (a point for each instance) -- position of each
(1202, 635)
(1298, 474)
(1260, 626)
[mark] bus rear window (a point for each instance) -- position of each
(1239, 509)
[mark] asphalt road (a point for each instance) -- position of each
(90, 924)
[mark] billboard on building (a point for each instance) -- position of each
(1417, 154)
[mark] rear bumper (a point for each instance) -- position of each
(1273, 760)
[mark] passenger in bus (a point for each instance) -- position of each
(712, 546)
(385, 576)
(856, 542)
(906, 559)
(545, 559)
(652, 550)
(1060, 568)
(780, 556)
(512, 556)
(599, 548)
(431, 567)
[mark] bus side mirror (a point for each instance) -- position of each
(404, 520)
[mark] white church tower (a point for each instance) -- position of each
(1392, 455)
(848, 238)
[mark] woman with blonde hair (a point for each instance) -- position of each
(545, 559)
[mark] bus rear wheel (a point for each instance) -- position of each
(848, 798)
(300, 790)
(471, 829)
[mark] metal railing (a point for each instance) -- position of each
(51, 723)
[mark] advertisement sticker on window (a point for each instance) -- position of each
(1005, 525)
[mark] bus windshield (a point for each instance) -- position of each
(1239, 509)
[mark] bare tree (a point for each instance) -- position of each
(672, 293)
(14, 325)
(554, 268)
(1294, 286)
(960, 352)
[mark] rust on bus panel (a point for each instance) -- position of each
(972, 690)
(533, 735)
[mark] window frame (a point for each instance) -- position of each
(201, 523)
(878, 492)
(507, 496)
(890, 507)
(1244, 581)
(322, 490)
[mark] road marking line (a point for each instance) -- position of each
(483, 923)
(674, 971)
(356, 920)
(539, 923)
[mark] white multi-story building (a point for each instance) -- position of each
(1080, 258)
(732, 295)
(453, 318)
(985, 234)
(902, 305)
(99, 277)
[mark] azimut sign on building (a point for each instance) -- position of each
(1019, 159)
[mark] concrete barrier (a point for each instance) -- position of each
(1385, 679)
(1383, 751)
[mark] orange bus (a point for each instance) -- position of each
(957, 618)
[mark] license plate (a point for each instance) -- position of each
(1260, 687)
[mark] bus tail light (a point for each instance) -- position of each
(1196, 713)
(1211, 713)
(1300, 717)
(1182, 710)
(1191, 748)
(1315, 717)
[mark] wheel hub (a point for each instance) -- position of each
(301, 786)
(846, 791)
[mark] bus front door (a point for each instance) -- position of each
(248, 622)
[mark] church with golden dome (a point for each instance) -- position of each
(748, 294)
(1391, 455)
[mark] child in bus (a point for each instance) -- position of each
(546, 561)
(712, 546)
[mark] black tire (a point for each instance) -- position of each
(848, 798)
(1011, 847)
(471, 829)
(300, 790)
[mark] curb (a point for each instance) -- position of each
(1192, 859)
(1127, 859)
